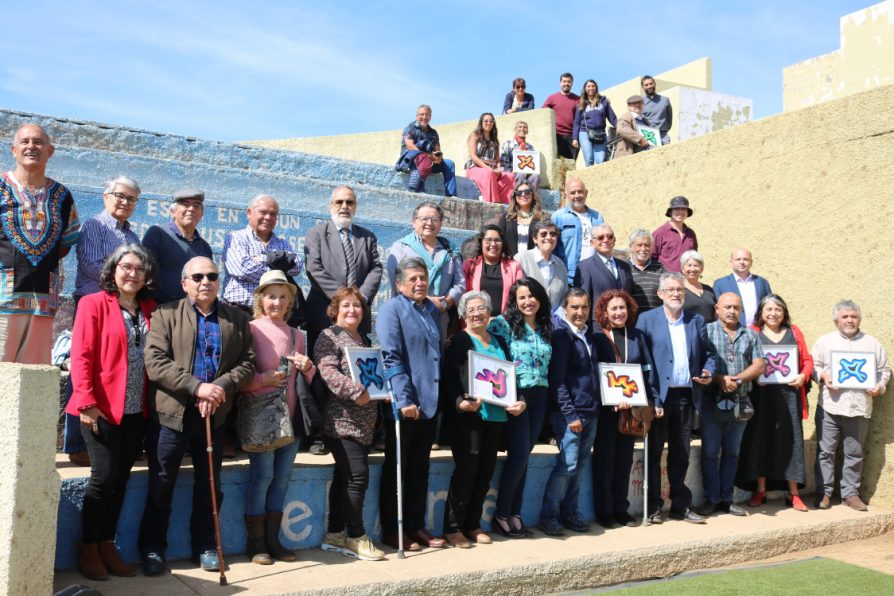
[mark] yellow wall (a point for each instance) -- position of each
(864, 61)
(808, 192)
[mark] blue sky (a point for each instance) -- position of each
(249, 70)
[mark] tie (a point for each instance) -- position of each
(349, 256)
(612, 267)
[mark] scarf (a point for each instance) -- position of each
(434, 268)
(522, 146)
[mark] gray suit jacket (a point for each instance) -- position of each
(555, 287)
(327, 268)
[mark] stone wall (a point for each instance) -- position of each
(808, 192)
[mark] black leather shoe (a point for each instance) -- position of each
(625, 519)
(153, 563)
(656, 518)
(708, 509)
(687, 515)
(732, 509)
(606, 521)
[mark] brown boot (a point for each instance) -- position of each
(255, 548)
(112, 560)
(271, 537)
(90, 562)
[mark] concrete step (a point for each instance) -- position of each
(247, 158)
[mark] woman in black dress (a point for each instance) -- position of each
(700, 297)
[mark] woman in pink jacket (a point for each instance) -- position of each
(493, 271)
(109, 396)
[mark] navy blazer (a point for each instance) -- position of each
(594, 277)
(412, 357)
(728, 284)
(637, 353)
(653, 324)
(573, 375)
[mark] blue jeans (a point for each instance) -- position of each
(563, 486)
(268, 479)
(521, 435)
(446, 168)
(720, 457)
(593, 154)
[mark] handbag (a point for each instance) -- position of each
(263, 422)
(596, 137)
(636, 421)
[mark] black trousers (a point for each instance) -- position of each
(474, 446)
(165, 449)
(349, 481)
(612, 459)
(416, 438)
(564, 146)
(112, 454)
(675, 428)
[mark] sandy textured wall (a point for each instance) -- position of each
(810, 193)
(384, 147)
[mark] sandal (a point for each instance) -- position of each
(519, 527)
(502, 526)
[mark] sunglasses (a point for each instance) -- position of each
(198, 277)
(605, 237)
(547, 234)
(524, 192)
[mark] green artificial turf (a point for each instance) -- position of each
(813, 576)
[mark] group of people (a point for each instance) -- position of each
(581, 125)
(162, 344)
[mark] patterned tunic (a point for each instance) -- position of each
(136, 378)
(531, 354)
(344, 419)
(35, 227)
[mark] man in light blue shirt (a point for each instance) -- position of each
(575, 222)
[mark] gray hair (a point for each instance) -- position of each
(692, 255)
(602, 226)
(424, 106)
(15, 137)
(263, 197)
(670, 276)
(407, 264)
(123, 181)
(846, 305)
(473, 295)
(107, 273)
(429, 205)
(637, 234)
(183, 272)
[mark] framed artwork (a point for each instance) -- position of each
(853, 370)
(652, 134)
(527, 162)
(492, 379)
(368, 370)
(781, 367)
(622, 383)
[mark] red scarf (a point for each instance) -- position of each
(521, 144)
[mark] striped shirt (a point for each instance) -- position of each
(645, 285)
(100, 236)
(245, 261)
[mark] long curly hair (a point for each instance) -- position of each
(479, 131)
(600, 311)
(516, 319)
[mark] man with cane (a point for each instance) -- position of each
(409, 333)
(198, 355)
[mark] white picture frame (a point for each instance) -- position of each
(622, 383)
(651, 134)
(853, 370)
(368, 369)
(493, 379)
(781, 366)
(526, 162)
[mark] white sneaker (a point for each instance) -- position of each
(362, 548)
(333, 542)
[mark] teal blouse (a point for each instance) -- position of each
(531, 354)
(490, 412)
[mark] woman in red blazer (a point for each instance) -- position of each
(109, 396)
(493, 271)
(772, 452)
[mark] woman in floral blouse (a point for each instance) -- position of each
(350, 419)
(526, 327)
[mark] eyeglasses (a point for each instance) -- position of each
(492, 241)
(128, 269)
(672, 290)
(432, 220)
(123, 198)
(488, 121)
(548, 234)
(198, 277)
(524, 192)
(348, 202)
(604, 237)
(519, 86)
(477, 310)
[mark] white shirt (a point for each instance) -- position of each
(545, 266)
(748, 292)
(610, 264)
(680, 374)
(586, 231)
(580, 333)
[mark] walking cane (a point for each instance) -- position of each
(646, 479)
(400, 501)
(210, 450)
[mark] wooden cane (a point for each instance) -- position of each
(210, 450)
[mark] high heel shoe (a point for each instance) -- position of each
(758, 498)
(518, 526)
(502, 526)
(796, 503)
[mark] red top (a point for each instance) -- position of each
(668, 246)
(563, 106)
(99, 355)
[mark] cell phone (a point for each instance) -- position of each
(284, 364)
